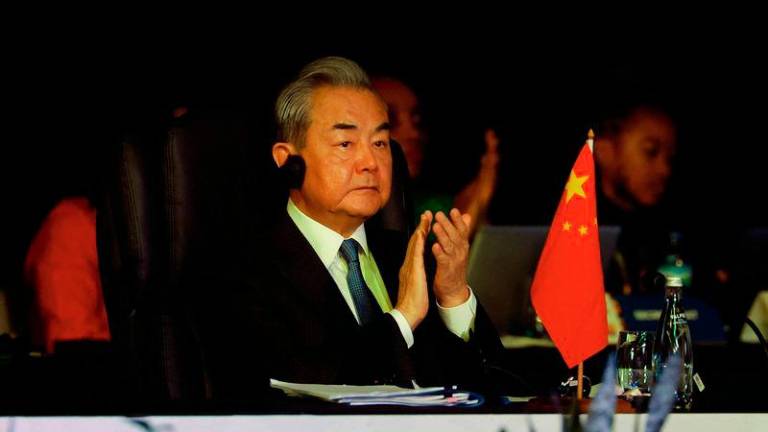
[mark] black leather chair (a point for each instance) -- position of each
(174, 217)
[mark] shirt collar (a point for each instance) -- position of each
(325, 241)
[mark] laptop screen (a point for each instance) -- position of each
(502, 263)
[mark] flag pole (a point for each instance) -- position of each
(580, 379)
(580, 373)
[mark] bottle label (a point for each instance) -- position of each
(678, 318)
(699, 382)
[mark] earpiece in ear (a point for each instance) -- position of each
(292, 171)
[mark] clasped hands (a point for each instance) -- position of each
(451, 252)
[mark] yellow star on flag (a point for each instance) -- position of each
(567, 226)
(575, 186)
(583, 230)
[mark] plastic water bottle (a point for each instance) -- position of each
(673, 336)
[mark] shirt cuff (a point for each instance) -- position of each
(460, 319)
(405, 328)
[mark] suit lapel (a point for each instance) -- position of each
(299, 264)
(306, 274)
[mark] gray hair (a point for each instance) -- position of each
(294, 103)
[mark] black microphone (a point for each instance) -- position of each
(292, 172)
(759, 335)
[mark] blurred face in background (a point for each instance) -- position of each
(637, 162)
(405, 118)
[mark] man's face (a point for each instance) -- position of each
(406, 120)
(645, 150)
(347, 155)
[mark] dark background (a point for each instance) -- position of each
(71, 93)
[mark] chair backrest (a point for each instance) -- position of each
(173, 218)
(126, 245)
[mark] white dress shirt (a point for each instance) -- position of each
(326, 243)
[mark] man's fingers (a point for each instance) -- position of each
(447, 225)
(443, 239)
(417, 256)
(418, 236)
(438, 251)
(426, 222)
(467, 219)
(458, 222)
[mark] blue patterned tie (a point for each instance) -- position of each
(361, 295)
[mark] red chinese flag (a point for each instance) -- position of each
(567, 290)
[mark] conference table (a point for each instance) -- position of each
(735, 375)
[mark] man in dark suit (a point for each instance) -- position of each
(329, 300)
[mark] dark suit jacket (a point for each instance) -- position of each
(289, 321)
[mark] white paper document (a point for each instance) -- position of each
(380, 394)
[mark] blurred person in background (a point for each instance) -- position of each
(407, 129)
